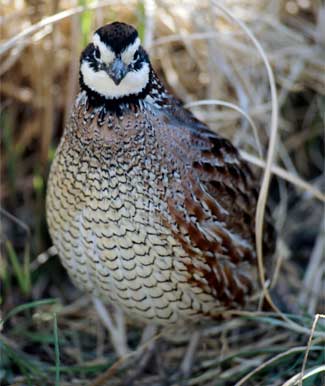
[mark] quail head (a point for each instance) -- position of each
(148, 208)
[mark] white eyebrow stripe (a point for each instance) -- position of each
(106, 54)
(128, 53)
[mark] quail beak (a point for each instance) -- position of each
(117, 70)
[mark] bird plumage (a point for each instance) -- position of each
(148, 208)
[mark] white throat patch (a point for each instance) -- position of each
(133, 83)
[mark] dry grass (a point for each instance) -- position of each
(50, 333)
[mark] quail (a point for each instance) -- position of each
(148, 208)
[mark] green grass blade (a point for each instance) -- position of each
(27, 306)
(141, 17)
(57, 350)
(21, 271)
(85, 21)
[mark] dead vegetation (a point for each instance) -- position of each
(50, 333)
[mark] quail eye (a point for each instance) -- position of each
(136, 56)
(97, 53)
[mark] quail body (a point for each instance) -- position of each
(148, 208)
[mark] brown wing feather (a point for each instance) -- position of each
(214, 209)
